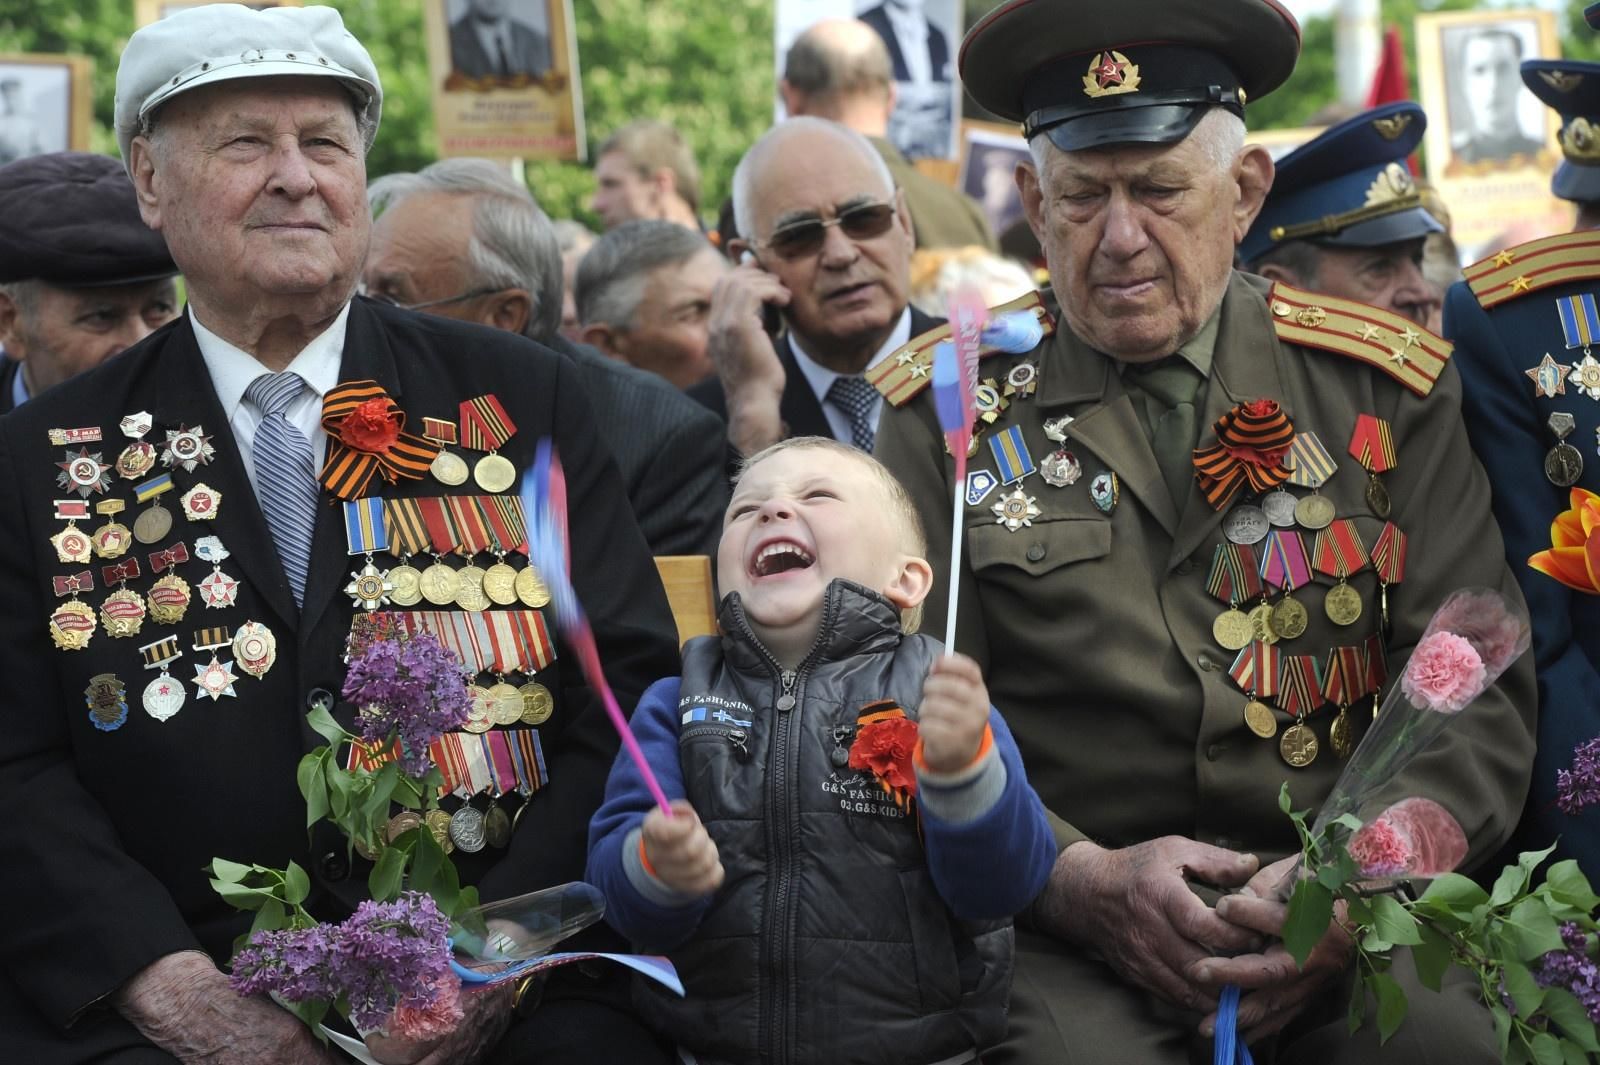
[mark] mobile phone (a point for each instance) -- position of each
(771, 317)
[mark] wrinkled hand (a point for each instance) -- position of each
(746, 361)
(182, 1003)
(1135, 907)
(681, 851)
(486, 1015)
(1274, 989)
(953, 714)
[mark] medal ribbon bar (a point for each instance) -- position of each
(485, 425)
(1339, 551)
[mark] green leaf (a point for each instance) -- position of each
(1357, 1011)
(1285, 804)
(312, 776)
(1432, 957)
(388, 873)
(1394, 922)
(228, 872)
(1547, 1050)
(1531, 931)
(1502, 1027)
(1310, 910)
(427, 862)
(1524, 992)
(269, 918)
(1350, 821)
(1391, 1005)
(1574, 1054)
(1567, 883)
(296, 885)
(1453, 895)
(310, 1013)
(243, 897)
(1510, 883)
(1564, 1009)
(323, 724)
(1531, 860)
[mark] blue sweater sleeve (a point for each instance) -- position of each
(995, 865)
(647, 922)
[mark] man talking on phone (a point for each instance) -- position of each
(821, 292)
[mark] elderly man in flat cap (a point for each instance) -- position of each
(1126, 548)
(81, 275)
(140, 743)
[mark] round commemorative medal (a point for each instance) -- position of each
(1261, 624)
(480, 712)
(1246, 524)
(1232, 629)
(449, 468)
(407, 581)
(255, 648)
(1341, 734)
(537, 703)
(1298, 746)
(531, 589)
(1258, 717)
(1314, 511)
(439, 584)
(494, 473)
(466, 830)
(1279, 506)
(1289, 618)
(1342, 605)
(163, 697)
(497, 827)
(505, 707)
(152, 524)
(469, 589)
(438, 823)
(500, 583)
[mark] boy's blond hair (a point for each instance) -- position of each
(914, 540)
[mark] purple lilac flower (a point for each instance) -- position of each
(1573, 970)
(1579, 786)
(387, 955)
(415, 687)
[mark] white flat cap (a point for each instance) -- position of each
(218, 42)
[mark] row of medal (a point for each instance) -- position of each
(252, 645)
(485, 426)
(1014, 464)
(1580, 326)
(123, 613)
(1301, 685)
(438, 527)
(485, 772)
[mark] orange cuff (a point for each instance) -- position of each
(984, 747)
(644, 859)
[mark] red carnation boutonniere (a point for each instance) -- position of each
(373, 426)
(366, 436)
(1252, 440)
(885, 742)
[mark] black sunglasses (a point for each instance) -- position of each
(861, 222)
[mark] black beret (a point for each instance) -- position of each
(71, 219)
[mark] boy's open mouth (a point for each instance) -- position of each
(781, 556)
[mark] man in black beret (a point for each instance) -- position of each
(81, 275)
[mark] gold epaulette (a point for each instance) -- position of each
(1396, 345)
(1537, 264)
(909, 370)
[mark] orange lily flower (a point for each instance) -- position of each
(1574, 554)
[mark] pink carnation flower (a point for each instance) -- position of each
(1498, 632)
(1445, 674)
(434, 1021)
(1414, 837)
(1380, 849)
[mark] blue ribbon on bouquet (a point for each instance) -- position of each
(1229, 1049)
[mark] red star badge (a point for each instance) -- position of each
(1109, 72)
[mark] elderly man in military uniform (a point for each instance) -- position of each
(1125, 550)
(161, 674)
(1524, 323)
(81, 275)
(1345, 218)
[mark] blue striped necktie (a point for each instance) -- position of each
(286, 475)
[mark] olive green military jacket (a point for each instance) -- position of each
(1094, 629)
(943, 217)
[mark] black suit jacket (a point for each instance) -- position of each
(9, 368)
(530, 52)
(802, 413)
(669, 449)
(106, 833)
(938, 47)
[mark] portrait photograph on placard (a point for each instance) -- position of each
(921, 37)
(44, 105)
(505, 78)
(148, 11)
(1491, 145)
(990, 153)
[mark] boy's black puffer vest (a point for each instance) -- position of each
(827, 943)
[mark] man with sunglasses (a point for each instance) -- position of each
(826, 245)
(1128, 502)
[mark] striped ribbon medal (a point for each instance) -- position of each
(1389, 562)
(1372, 445)
(366, 435)
(365, 532)
(485, 426)
(1299, 694)
(1339, 553)
(1310, 464)
(1344, 683)
(1252, 441)
(1580, 325)
(1257, 670)
(1284, 565)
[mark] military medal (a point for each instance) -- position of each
(1299, 693)
(217, 590)
(1015, 511)
(201, 503)
(409, 537)
(531, 590)
(1056, 428)
(537, 703)
(1233, 580)
(216, 677)
(497, 827)
(466, 826)
(155, 522)
(135, 426)
(1246, 524)
(503, 514)
(1284, 565)
(83, 473)
(123, 612)
(72, 623)
(89, 434)
(485, 426)
(72, 544)
(1372, 444)
(438, 823)
(136, 460)
(163, 696)
(472, 534)
(255, 648)
(1563, 463)
(1345, 683)
(112, 539)
(1549, 378)
(1252, 441)
(1339, 552)
(500, 582)
(187, 448)
(1022, 380)
(1389, 562)
(1105, 490)
(1011, 459)
(1278, 505)
(438, 583)
(107, 701)
(505, 702)
(169, 596)
(1060, 468)
(988, 402)
(1310, 464)
(480, 711)
(401, 823)
(447, 468)
(979, 484)
(1579, 326)
(1256, 670)
(365, 532)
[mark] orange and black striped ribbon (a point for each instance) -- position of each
(1389, 554)
(529, 757)
(499, 531)
(1252, 440)
(1372, 444)
(485, 425)
(1301, 690)
(470, 526)
(370, 757)
(441, 528)
(348, 471)
(407, 532)
(1339, 551)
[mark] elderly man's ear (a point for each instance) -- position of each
(1254, 180)
(509, 309)
(142, 167)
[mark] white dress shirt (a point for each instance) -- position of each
(821, 378)
(496, 40)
